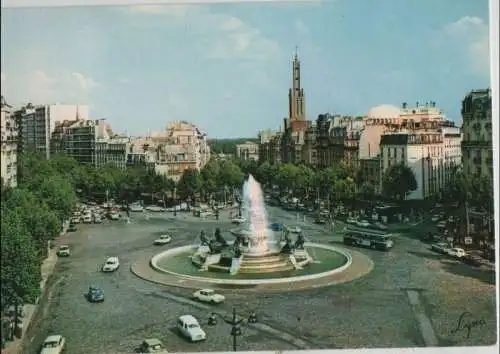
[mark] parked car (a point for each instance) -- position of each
(112, 264)
(190, 328)
(208, 295)
(53, 344)
(472, 259)
(72, 228)
(63, 251)
(155, 208)
(114, 215)
(75, 220)
(151, 345)
(95, 294)
(97, 219)
(363, 223)
(162, 240)
(457, 252)
(87, 219)
(136, 208)
(295, 229)
(320, 220)
(440, 247)
(351, 221)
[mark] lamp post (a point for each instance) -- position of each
(235, 324)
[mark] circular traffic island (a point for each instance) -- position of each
(330, 265)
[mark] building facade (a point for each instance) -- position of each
(477, 148)
(90, 142)
(248, 151)
(37, 124)
(8, 152)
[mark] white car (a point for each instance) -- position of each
(155, 208)
(351, 221)
(112, 264)
(208, 295)
(163, 240)
(295, 229)
(53, 344)
(63, 251)
(457, 252)
(136, 208)
(363, 223)
(238, 220)
(435, 218)
(190, 328)
(87, 219)
(97, 219)
(114, 216)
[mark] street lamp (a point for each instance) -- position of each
(235, 324)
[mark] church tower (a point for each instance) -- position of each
(296, 98)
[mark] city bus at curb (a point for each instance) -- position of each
(370, 238)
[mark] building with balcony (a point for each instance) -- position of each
(90, 142)
(249, 150)
(8, 152)
(37, 124)
(477, 148)
(270, 146)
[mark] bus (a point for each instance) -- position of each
(363, 237)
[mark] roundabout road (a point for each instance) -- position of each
(371, 311)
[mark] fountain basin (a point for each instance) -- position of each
(177, 262)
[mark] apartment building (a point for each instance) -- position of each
(477, 148)
(249, 150)
(181, 146)
(90, 142)
(8, 151)
(37, 124)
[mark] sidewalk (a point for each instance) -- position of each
(29, 310)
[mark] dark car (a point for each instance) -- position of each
(320, 220)
(472, 259)
(95, 294)
(72, 228)
(277, 226)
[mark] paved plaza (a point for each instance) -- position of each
(411, 298)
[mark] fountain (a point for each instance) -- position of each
(256, 257)
(256, 248)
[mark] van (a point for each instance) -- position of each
(189, 327)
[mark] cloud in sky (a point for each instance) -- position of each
(301, 27)
(473, 33)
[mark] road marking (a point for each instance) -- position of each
(424, 322)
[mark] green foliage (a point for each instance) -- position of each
(190, 184)
(20, 271)
(398, 181)
(226, 146)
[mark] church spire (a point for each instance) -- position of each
(296, 93)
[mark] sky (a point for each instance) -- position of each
(227, 67)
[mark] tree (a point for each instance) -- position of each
(59, 196)
(189, 185)
(398, 181)
(20, 271)
(367, 191)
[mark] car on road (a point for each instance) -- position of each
(136, 208)
(363, 223)
(53, 344)
(72, 228)
(472, 260)
(440, 247)
(162, 240)
(63, 251)
(155, 208)
(151, 345)
(239, 220)
(208, 295)
(435, 218)
(95, 294)
(112, 264)
(457, 252)
(113, 215)
(189, 327)
(352, 221)
(75, 220)
(320, 220)
(276, 226)
(294, 229)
